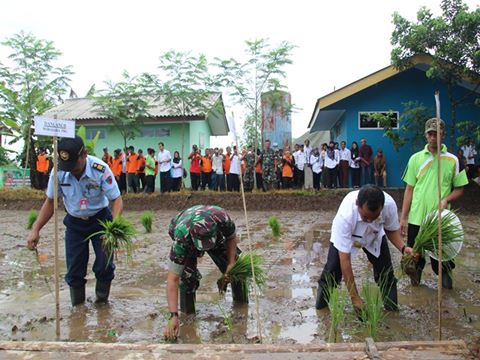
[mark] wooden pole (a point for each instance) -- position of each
(28, 154)
(250, 247)
(439, 192)
(55, 215)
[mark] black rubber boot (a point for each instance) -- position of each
(390, 299)
(321, 301)
(447, 282)
(77, 295)
(102, 291)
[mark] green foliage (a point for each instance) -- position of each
(32, 217)
(337, 301)
(227, 320)
(452, 41)
(241, 272)
(116, 234)
(4, 160)
(30, 84)
(372, 311)
(125, 103)
(147, 221)
(89, 144)
(467, 130)
(262, 71)
(274, 225)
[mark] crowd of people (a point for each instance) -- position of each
(331, 165)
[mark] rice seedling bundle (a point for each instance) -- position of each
(274, 225)
(32, 217)
(372, 311)
(427, 239)
(337, 300)
(147, 220)
(241, 272)
(116, 234)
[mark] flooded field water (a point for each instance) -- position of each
(136, 312)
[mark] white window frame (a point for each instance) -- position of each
(378, 125)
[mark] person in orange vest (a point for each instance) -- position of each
(107, 158)
(207, 170)
(116, 166)
(195, 170)
(226, 167)
(42, 168)
(132, 168)
(258, 172)
(288, 163)
(141, 169)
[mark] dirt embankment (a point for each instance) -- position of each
(26, 199)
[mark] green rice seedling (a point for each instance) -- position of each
(241, 272)
(274, 225)
(116, 234)
(337, 300)
(427, 240)
(32, 217)
(147, 220)
(227, 320)
(372, 311)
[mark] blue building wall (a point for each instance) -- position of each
(389, 95)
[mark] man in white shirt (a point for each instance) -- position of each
(345, 157)
(331, 163)
(470, 153)
(164, 160)
(308, 167)
(364, 220)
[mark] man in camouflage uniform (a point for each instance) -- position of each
(193, 231)
(268, 167)
(249, 177)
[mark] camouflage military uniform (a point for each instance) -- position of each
(249, 177)
(268, 169)
(194, 231)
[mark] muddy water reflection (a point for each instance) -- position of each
(293, 262)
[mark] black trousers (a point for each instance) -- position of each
(141, 181)
(123, 182)
(355, 177)
(164, 181)
(195, 180)
(446, 265)
(259, 181)
(234, 182)
(206, 180)
(176, 184)
(382, 273)
(331, 177)
(149, 183)
(316, 180)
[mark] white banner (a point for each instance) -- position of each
(54, 127)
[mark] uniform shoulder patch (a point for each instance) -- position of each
(99, 167)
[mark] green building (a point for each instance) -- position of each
(162, 125)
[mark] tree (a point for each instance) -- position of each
(262, 71)
(125, 103)
(187, 86)
(30, 85)
(453, 42)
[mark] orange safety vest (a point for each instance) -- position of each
(42, 163)
(258, 168)
(206, 164)
(132, 163)
(141, 165)
(108, 160)
(116, 166)
(287, 170)
(226, 164)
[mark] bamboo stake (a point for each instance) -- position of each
(250, 247)
(28, 154)
(439, 191)
(55, 214)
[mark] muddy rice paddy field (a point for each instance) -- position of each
(136, 312)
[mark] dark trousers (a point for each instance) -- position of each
(42, 180)
(141, 181)
(382, 273)
(286, 182)
(164, 181)
(132, 181)
(123, 182)
(343, 173)
(219, 182)
(316, 180)
(331, 177)
(77, 249)
(446, 265)
(175, 184)
(149, 183)
(259, 179)
(355, 177)
(195, 180)
(234, 182)
(366, 174)
(207, 180)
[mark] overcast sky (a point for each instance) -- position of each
(337, 42)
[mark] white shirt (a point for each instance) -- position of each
(469, 152)
(164, 156)
(217, 164)
(234, 165)
(177, 170)
(300, 159)
(308, 152)
(331, 163)
(350, 232)
(344, 154)
(317, 163)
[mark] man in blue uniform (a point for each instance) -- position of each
(87, 185)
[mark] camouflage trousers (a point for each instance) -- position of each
(269, 179)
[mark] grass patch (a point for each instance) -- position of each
(274, 225)
(147, 221)
(337, 301)
(23, 193)
(116, 234)
(32, 217)
(372, 311)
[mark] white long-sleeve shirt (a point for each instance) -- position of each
(177, 170)
(317, 163)
(163, 158)
(345, 154)
(234, 165)
(332, 163)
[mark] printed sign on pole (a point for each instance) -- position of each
(54, 127)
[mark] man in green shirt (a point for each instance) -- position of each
(421, 192)
(150, 171)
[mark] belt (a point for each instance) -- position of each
(88, 218)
